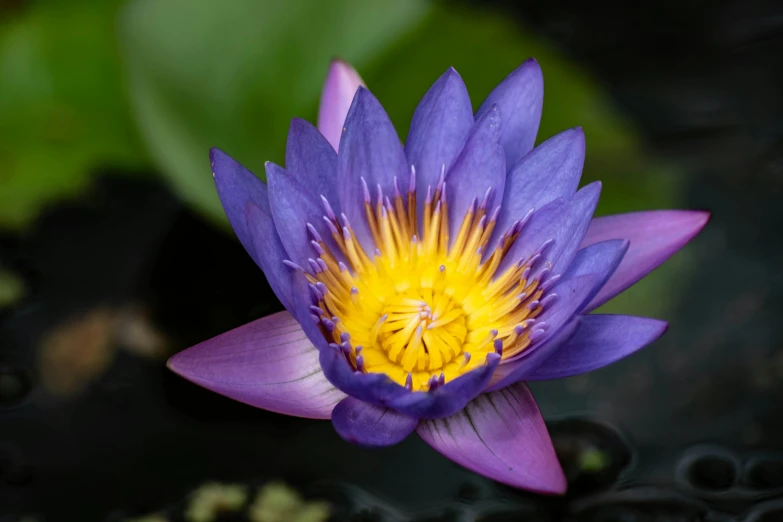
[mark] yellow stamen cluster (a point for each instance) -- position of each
(423, 308)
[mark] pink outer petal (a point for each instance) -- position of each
(500, 435)
(340, 86)
(655, 236)
(268, 363)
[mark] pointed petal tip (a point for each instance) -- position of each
(216, 157)
(557, 485)
(338, 60)
(181, 363)
(339, 88)
(172, 365)
(532, 65)
(452, 74)
(700, 218)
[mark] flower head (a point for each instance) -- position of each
(424, 284)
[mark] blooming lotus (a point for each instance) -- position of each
(424, 284)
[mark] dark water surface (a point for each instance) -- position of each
(688, 429)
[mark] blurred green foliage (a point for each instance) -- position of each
(110, 84)
(63, 108)
(233, 77)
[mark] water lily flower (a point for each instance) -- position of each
(424, 284)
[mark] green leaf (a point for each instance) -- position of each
(62, 108)
(234, 76)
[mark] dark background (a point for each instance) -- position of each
(122, 261)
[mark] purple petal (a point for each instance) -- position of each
(375, 388)
(520, 98)
(371, 426)
(480, 166)
(655, 236)
(378, 389)
(369, 149)
(269, 252)
(447, 399)
(235, 187)
(341, 84)
(571, 297)
(601, 258)
(269, 364)
(560, 318)
(565, 222)
(550, 171)
(312, 161)
(599, 341)
(439, 127)
(293, 207)
(519, 369)
(500, 435)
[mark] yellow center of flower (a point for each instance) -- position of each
(424, 308)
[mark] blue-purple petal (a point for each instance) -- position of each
(563, 222)
(517, 370)
(599, 341)
(293, 207)
(600, 258)
(369, 149)
(269, 363)
(502, 436)
(480, 166)
(550, 171)
(439, 127)
(520, 97)
(447, 399)
(269, 253)
(235, 187)
(312, 162)
(375, 388)
(371, 426)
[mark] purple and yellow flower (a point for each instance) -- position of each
(425, 283)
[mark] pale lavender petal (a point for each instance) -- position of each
(563, 222)
(269, 363)
(600, 258)
(293, 207)
(235, 187)
(550, 171)
(312, 162)
(520, 98)
(480, 166)
(502, 436)
(598, 341)
(369, 149)
(341, 84)
(655, 236)
(269, 252)
(440, 124)
(371, 426)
